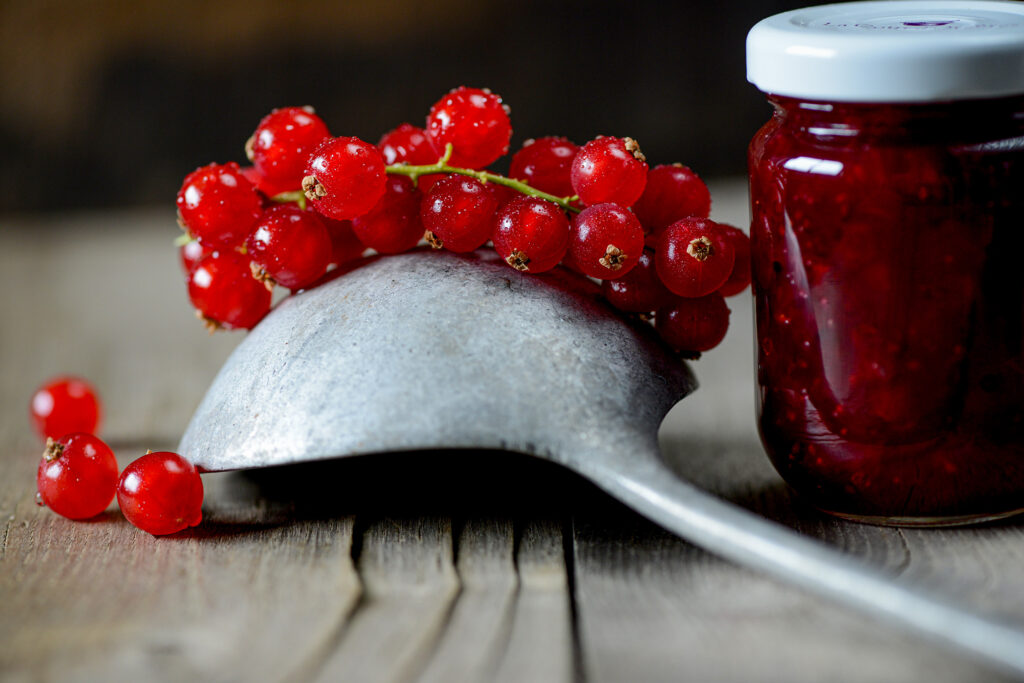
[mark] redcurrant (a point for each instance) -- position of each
(64, 405)
(161, 493)
(693, 325)
(192, 252)
(458, 213)
(345, 246)
(393, 225)
(671, 193)
(605, 241)
(344, 178)
(544, 164)
(267, 188)
(77, 476)
(225, 294)
(408, 144)
(740, 276)
(640, 290)
(283, 142)
(609, 170)
(695, 257)
(218, 205)
(289, 246)
(531, 234)
(474, 122)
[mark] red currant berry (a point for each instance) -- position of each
(458, 213)
(740, 276)
(474, 122)
(344, 178)
(218, 206)
(64, 405)
(640, 290)
(77, 476)
(289, 246)
(393, 225)
(694, 325)
(531, 234)
(408, 144)
(672, 193)
(225, 294)
(161, 493)
(605, 241)
(545, 164)
(345, 246)
(283, 142)
(192, 253)
(695, 257)
(609, 170)
(267, 188)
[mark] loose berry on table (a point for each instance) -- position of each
(458, 213)
(161, 493)
(609, 169)
(344, 178)
(393, 225)
(531, 234)
(218, 206)
(640, 290)
(64, 405)
(693, 325)
(225, 294)
(77, 476)
(695, 257)
(474, 122)
(672, 192)
(283, 142)
(290, 247)
(605, 241)
(545, 163)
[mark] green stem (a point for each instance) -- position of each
(414, 173)
(297, 196)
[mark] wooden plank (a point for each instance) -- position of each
(540, 646)
(99, 599)
(478, 630)
(407, 570)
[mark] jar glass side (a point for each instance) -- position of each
(889, 303)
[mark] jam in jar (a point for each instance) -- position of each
(887, 232)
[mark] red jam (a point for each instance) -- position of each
(888, 270)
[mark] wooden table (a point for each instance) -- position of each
(403, 568)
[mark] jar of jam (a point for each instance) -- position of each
(887, 195)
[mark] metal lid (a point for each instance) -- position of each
(893, 51)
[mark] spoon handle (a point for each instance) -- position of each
(724, 529)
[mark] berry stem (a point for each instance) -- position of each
(414, 172)
(297, 196)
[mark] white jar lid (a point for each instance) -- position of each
(893, 51)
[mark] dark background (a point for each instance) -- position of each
(111, 103)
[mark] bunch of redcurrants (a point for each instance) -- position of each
(311, 201)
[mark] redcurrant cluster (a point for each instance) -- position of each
(311, 201)
(77, 478)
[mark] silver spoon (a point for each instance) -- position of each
(432, 351)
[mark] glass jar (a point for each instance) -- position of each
(888, 258)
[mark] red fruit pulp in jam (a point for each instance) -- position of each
(886, 243)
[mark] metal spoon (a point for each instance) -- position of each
(429, 351)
